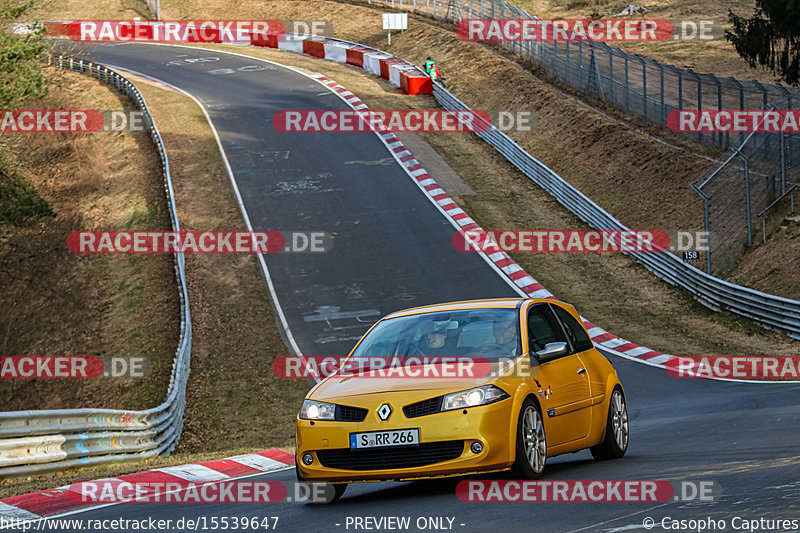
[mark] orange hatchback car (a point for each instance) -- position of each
(549, 392)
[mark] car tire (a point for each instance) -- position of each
(338, 488)
(531, 446)
(615, 442)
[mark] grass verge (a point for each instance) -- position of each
(56, 302)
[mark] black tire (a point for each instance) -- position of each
(615, 442)
(338, 488)
(531, 441)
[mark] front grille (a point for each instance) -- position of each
(346, 413)
(427, 453)
(425, 407)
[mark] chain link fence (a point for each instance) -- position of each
(739, 190)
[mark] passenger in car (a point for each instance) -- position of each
(436, 342)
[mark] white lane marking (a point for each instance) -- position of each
(259, 462)
(514, 267)
(192, 472)
(635, 352)
(9, 512)
(595, 331)
(271, 286)
(262, 263)
(541, 293)
(629, 527)
(660, 359)
(613, 343)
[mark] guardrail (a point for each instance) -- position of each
(48, 440)
(772, 312)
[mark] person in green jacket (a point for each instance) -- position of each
(433, 72)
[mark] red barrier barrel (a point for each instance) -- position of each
(314, 47)
(385, 63)
(415, 83)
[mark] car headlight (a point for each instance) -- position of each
(473, 397)
(312, 410)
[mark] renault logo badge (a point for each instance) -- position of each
(384, 411)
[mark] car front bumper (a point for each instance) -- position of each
(328, 443)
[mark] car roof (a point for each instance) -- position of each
(493, 303)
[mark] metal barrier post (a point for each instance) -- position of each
(706, 223)
(783, 162)
(627, 85)
(610, 70)
(644, 85)
(747, 196)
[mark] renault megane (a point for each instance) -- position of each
(547, 391)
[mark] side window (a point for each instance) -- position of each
(543, 327)
(577, 334)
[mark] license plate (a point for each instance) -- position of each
(380, 439)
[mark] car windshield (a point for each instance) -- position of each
(488, 333)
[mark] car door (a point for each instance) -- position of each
(585, 349)
(562, 383)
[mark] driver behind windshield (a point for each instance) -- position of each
(505, 333)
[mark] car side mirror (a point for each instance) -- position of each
(552, 350)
